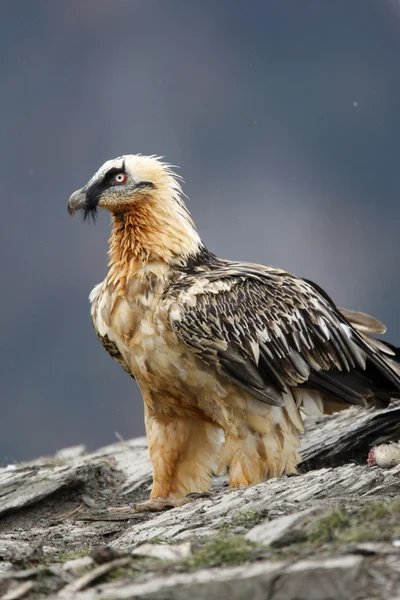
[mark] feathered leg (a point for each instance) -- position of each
(183, 453)
(264, 443)
(245, 458)
(252, 458)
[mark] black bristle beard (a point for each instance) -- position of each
(90, 214)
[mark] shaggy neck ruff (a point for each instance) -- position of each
(150, 236)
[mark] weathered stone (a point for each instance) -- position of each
(28, 485)
(71, 452)
(32, 483)
(372, 548)
(236, 583)
(334, 579)
(70, 591)
(331, 579)
(66, 506)
(88, 500)
(18, 591)
(5, 567)
(77, 566)
(307, 490)
(16, 551)
(276, 532)
(164, 551)
(103, 554)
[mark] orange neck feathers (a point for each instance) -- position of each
(150, 234)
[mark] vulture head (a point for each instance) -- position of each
(144, 197)
(123, 182)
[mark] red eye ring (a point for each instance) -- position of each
(120, 178)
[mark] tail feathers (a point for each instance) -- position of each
(395, 351)
(383, 359)
(375, 383)
(394, 360)
(362, 322)
(378, 345)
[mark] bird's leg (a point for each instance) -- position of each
(263, 442)
(253, 458)
(245, 458)
(183, 452)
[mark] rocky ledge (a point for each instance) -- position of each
(330, 532)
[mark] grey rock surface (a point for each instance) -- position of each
(331, 579)
(270, 533)
(277, 540)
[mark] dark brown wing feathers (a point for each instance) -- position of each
(267, 331)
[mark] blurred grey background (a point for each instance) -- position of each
(284, 116)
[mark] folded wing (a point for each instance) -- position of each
(268, 331)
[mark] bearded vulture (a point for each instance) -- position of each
(227, 355)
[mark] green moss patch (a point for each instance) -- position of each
(246, 518)
(65, 556)
(227, 550)
(377, 521)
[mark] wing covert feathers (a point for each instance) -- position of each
(269, 331)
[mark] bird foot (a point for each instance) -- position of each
(158, 504)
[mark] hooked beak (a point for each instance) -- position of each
(76, 202)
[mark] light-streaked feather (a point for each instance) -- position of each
(363, 322)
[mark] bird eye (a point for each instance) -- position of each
(120, 178)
